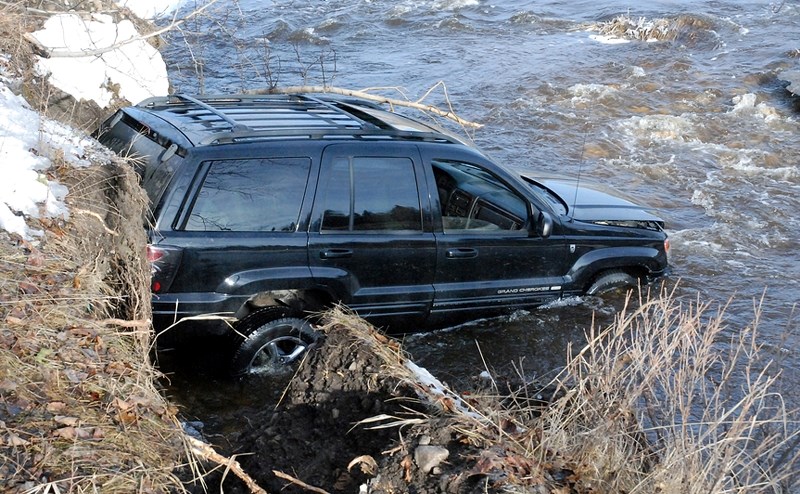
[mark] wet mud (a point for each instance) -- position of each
(330, 430)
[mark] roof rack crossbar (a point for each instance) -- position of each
(226, 138)
(335, 108)
(235, 126)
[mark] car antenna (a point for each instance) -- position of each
(578, 181)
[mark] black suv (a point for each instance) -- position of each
(269, 208)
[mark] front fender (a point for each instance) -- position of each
(639, 258)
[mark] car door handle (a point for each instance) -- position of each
(335, 253)
(461, 253)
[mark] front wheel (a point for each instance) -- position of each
(612, 280)
(272, 343)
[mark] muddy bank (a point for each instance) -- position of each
(358, 416)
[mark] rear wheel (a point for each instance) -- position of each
(610, 281)
(273, 341)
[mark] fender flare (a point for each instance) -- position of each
(633, 260)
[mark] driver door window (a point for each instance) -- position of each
(475, 201)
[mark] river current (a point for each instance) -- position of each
(685, 111)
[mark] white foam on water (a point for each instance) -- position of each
(696, 240)
(583, 93)
(655, 170)
(563, 302)
(660, 128)
(638, 72)
(454, 4)
(746, 104)
(747, 166)
(608, 40)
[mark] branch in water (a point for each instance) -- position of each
(417, 105)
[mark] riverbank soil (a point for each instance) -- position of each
(78, 408)
(358, 416)
(317, 433)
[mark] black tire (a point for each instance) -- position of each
(610, 281)
(273, 341)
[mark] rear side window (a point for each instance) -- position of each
(376, 194)
(256, 195)
(142, 152)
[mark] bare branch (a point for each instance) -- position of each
(417, 105)
(286, 476)
(205, 451)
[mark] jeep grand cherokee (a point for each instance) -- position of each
(269, 208)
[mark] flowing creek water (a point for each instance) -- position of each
(698, 125)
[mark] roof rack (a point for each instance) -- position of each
(235, 126)
(257, 135)
(263, 117)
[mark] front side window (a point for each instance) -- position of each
(370, 194)
(253, 195)
(473, 199)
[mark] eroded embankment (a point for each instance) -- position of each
(79, 410)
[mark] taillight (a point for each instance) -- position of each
(164, 261)
(154, 253)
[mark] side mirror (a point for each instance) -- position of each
(544, 224)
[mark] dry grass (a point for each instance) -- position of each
(79, 408)
(16, 54)
(79, 411)
(668, 399)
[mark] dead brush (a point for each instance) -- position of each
(79, 410)
(668, 399)
(14, 22)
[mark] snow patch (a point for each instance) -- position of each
(132, 70)
(26, 139)
(24, 189)
(436, 390)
